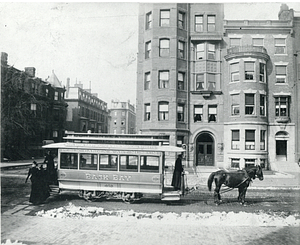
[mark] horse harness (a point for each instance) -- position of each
(231, 188)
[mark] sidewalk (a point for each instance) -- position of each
(20, 163)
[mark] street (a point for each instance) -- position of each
(20, 221)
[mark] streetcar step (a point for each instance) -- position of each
(171, 196)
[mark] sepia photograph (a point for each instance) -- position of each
(150, 123)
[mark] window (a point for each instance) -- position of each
(249, 104)
(262, 68)
(280, 74)
(147, 112)
(164, 17)
(115, 122)
(147, 80)
(234, 72)
(148, 50)
(258, 42)
(150, 164)
(212, 113)
(250, 139)
(280, 46)
(149, 20)
(55, 133)
(180, 113)
(33, 107)
(281, 106)
(180, 81)
(199, 81)
(180, 49)
(211, 80)
(249, 162)
(122, 122)
(199, 23)
(211, 52)
(181, 20)
(68, 161)
(235, 139)
(262, 139)
(129, 163)
(263, 164)
(164, 47)
(262, 106)
(235, 104)
(249, 70)
(198, 113)
(47, 92)
(163, 81)
(211, 23)
(108, 162)
(235, 162)
(56, 95)
(234, 42)
(200, 51)
(163, 111)
(88, 161)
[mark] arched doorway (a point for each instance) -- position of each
(205, 150)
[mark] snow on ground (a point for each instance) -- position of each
(206, 219)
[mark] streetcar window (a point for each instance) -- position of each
(108, 162)
(150, 164)
(88, 161)
(129, 163)
(68, 160)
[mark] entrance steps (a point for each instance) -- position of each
(285, 166)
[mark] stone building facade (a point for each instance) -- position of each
(122, 118)
(86, 112)
(225, 89)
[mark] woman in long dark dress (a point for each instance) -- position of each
(33, 174)
(176, 179)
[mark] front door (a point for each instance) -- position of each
(281, 150)
(205, 150)
(205, 154)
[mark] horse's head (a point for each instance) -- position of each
(259, 172)
(254, 172)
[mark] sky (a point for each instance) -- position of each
(93, 43)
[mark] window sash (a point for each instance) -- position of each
(250, 135)
(249, 99)
(235, 135)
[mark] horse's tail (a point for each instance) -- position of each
(210, 180)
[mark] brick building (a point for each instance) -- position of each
(86, 112)
(32, 110)
(227, 89)
(122, 118)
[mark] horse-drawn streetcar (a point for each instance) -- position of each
(114, 166)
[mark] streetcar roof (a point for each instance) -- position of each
(71, 145)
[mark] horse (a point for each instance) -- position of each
(234, 179)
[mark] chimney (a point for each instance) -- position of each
(4, 58)
(30, 71)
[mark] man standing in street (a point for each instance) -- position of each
(176, 179)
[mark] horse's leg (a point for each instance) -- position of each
(240, 193)
(243, 195)
(217, 196)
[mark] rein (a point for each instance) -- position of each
(231, 188)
